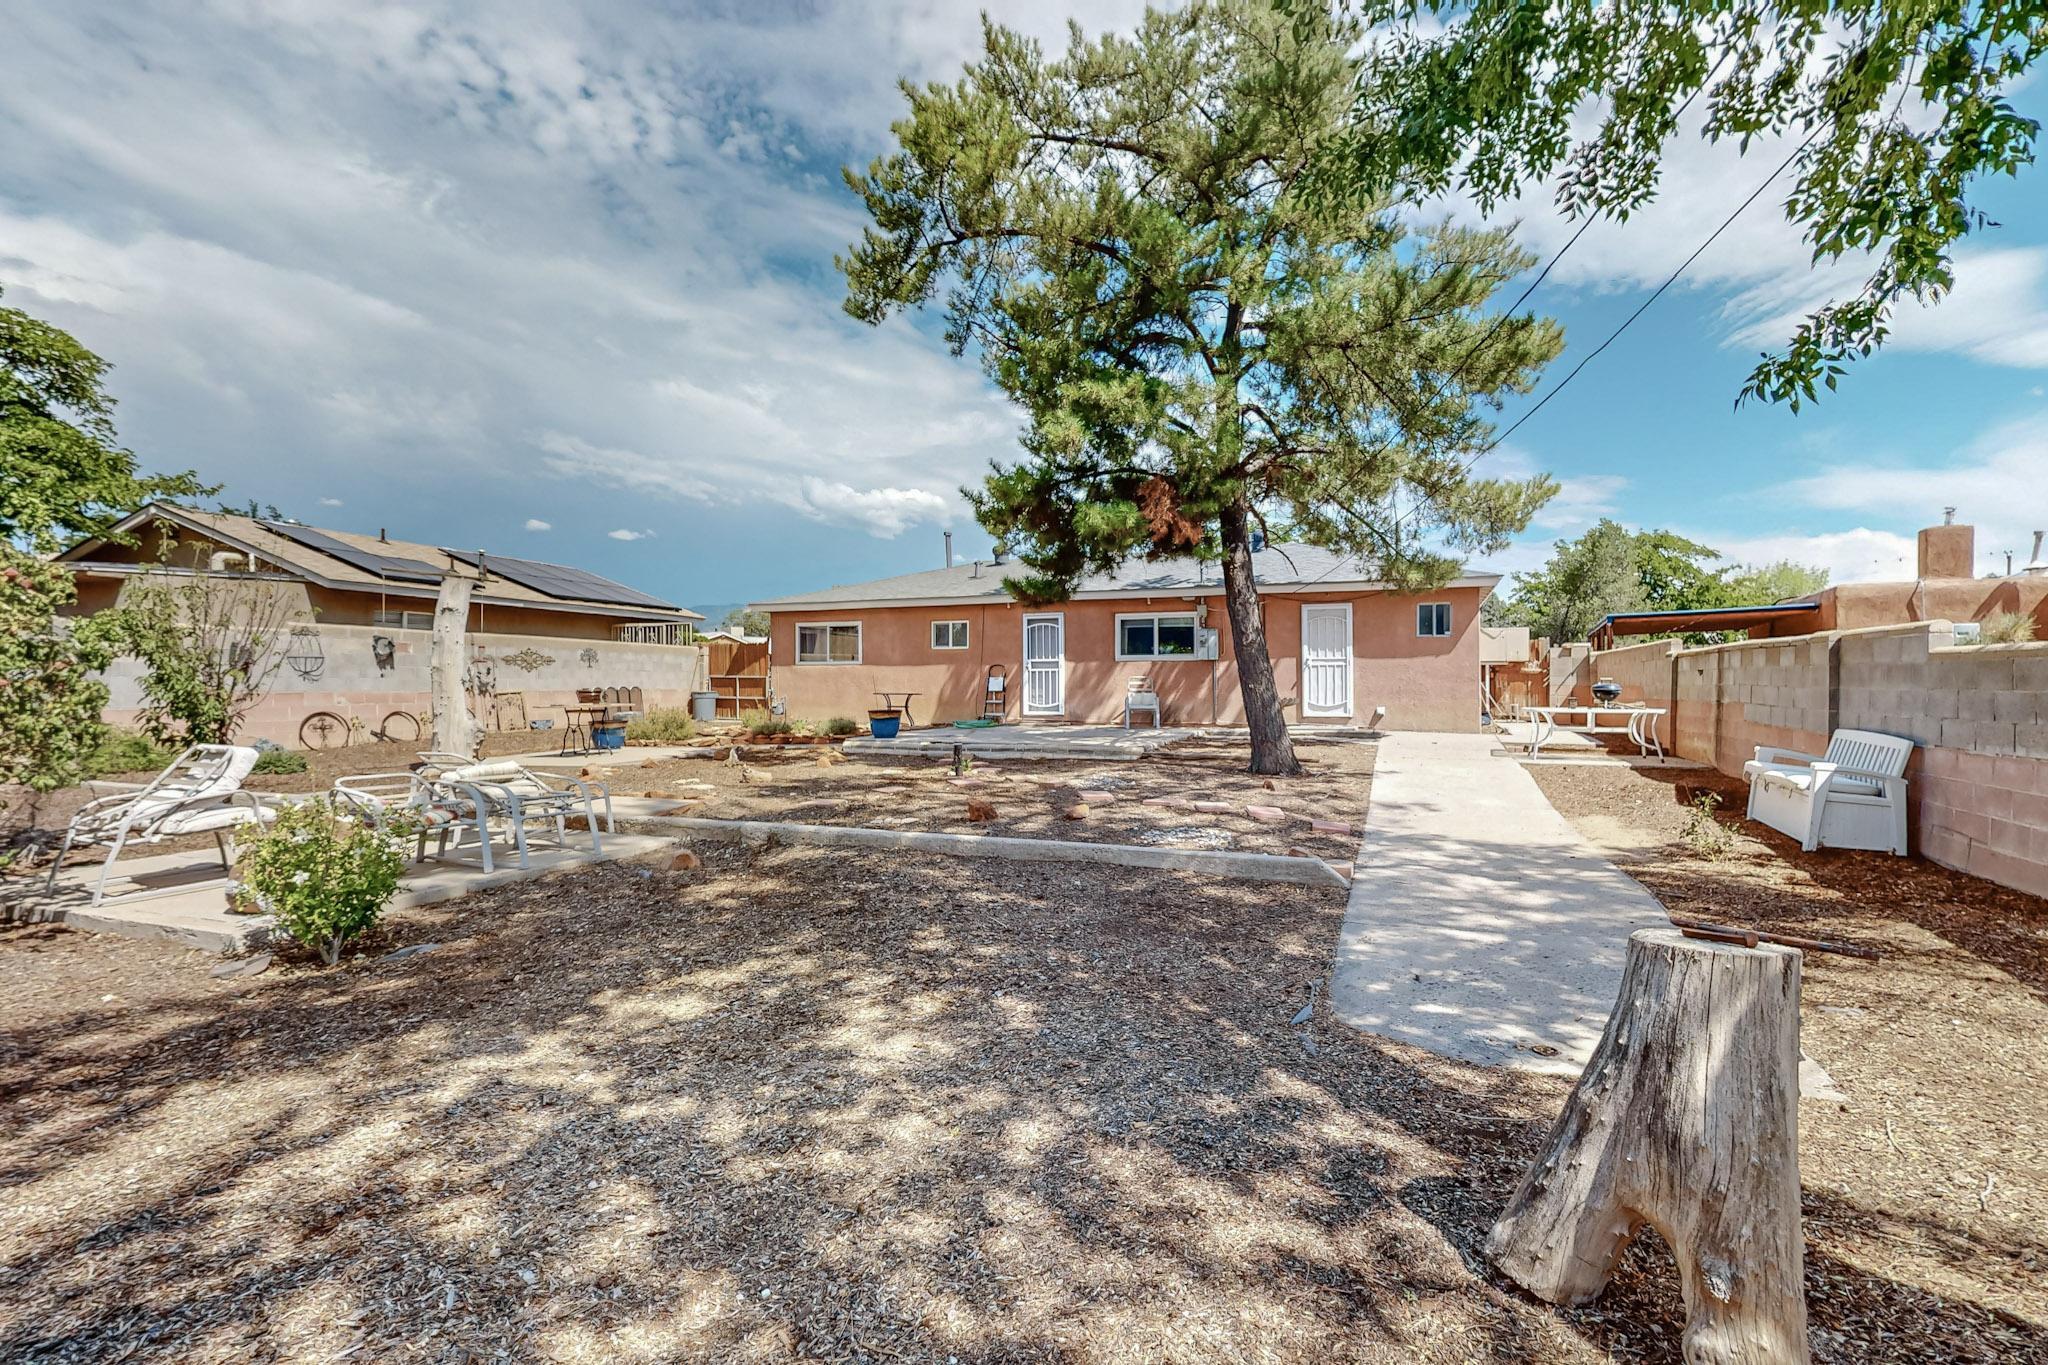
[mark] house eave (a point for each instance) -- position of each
(1000, 599)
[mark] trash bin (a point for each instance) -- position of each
(608, 734)
(884, 724)
(704, 706)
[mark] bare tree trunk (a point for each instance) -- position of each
(1686, 1120)
(1272, 749)
(455, 730)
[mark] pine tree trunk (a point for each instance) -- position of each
(1272, 749)
(455, 730)
(1685, 1120)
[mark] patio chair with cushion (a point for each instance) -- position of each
(199, 793)
(1853, 796)
(442, 811)
(519, 795)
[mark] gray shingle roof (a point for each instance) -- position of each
(1296, 567)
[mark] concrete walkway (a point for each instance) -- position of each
(1480, 925)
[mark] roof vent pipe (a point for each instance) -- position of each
(949, 549)
(977, 570)
(2037, 565)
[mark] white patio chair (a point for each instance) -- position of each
(519, 795)
(1139, 695)
(1853, 796)
(442, 811)
(199, 793)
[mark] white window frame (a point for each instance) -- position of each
(1193, 619)
(859, 643)
(949, 624)
(1433, 608)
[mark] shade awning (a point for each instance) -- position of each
(1625, 623)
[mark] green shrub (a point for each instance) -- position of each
(662, 725)
(280, 761)
(762, 723)
(326, 876)
(1703, 834)
(125, 751)
(840, 725)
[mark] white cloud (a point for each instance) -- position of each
(623, 534)
(1995, 483)
(1860, 555)
(536, 524)
(330, 502)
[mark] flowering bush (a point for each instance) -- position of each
(325, 875)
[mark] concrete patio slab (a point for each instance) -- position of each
(178, 897)
(1023, 741)
(1481, 925)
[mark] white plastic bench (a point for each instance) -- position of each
(1853, 796)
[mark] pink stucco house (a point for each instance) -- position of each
(1342, 643)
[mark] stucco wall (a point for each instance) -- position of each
(1860, 606)
(348, 681)
(1978, 782)
(1426, 683)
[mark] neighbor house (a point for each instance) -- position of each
(357, 662)
(1342, 644)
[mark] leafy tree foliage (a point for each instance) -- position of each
(61, 475)
(1611, 569)
(745, 621)
(1204, 349)
(1897, 110)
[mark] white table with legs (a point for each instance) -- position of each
(1639, 723)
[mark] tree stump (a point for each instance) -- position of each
(1685, 1120)
(455, 729)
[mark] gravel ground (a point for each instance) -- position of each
(1031, 797)
(1934, 1174)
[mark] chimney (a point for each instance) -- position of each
(2037, 566)
(949, 549)
(1948, 551)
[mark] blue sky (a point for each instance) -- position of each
(556, 280)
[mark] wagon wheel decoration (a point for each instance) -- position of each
(400, 727)
(324, 730)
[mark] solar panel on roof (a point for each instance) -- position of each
(559, 580)
(383, 566)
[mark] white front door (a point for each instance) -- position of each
(1326, 659)
(1045, 665)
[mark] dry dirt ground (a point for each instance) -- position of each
(1935, 1171)
(1031, 796)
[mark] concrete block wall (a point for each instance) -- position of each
(1978, 782)
(548, 670)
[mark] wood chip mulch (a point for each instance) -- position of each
(1032, 798)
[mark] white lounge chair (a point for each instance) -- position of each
(1853, 796)
(518, 794)
(438, 810)
(199, 793)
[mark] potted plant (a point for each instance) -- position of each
(885, 722)
(325, 875)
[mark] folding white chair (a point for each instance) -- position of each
(199, 793)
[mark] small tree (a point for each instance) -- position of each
(1205, 350)
(210, 645)
(62, 474)
(745, 621)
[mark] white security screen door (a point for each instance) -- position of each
(1326, 659)
(1045, 683)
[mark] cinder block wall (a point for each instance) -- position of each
(348, 681)
(1978, 782)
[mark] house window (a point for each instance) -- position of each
(1155, 637)
(949, 635)
(829, 643)
(403, 620)
(1433, 618)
